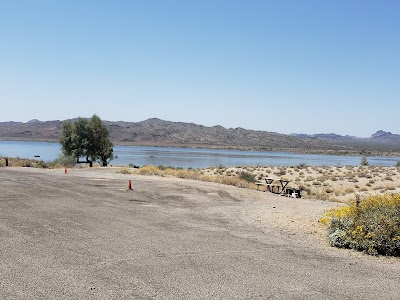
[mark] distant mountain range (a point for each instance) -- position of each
(156, 132)
(326, 136)
(380, 136)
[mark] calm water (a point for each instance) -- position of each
(195, 158)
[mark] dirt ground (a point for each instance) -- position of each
(333, 183)
(84, 235)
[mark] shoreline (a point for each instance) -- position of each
(371, 153)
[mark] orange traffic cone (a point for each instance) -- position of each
(65, 171)
(129, 185)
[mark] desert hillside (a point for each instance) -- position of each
(156, 132)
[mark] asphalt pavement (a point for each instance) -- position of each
(84, 235)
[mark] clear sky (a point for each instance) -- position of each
(296, 66)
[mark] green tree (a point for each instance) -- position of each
(102, 147)
(87, 138)
(364, 161)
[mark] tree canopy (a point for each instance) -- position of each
(364, 161)
(87, 138)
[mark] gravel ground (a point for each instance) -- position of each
(83, 235)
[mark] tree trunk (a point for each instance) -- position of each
(89, 161)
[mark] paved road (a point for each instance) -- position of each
(82, 235)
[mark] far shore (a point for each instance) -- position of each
(378, 153)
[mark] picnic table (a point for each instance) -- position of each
(279, 186)
(275, 188)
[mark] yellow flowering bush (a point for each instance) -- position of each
(371, 225)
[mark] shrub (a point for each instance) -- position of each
(125, 170)
(364, 161)
(235, 181)
(180, 173)
(64, 161)
(323, 196)
(247, 176)
(379, 187)
(149, 170)
(329, 190)
(302, 166)
(280, 173)
(42, 164)
(24, 162)
(27, 163)
(162, 168)
(371, 225)
(348, 190)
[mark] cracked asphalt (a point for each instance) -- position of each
(83, 235)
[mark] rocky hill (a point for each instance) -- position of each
(379, 143)
(326, 136)
(380, 136)
(159, 132)
(33, 130)
(156, 132)
(385, 137)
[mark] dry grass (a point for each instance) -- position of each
(325, 183)
(219, 175)
(125, 170)
(24, 162)
(335, 183)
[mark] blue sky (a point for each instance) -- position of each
(282, 66)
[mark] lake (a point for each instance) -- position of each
(194, 158)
